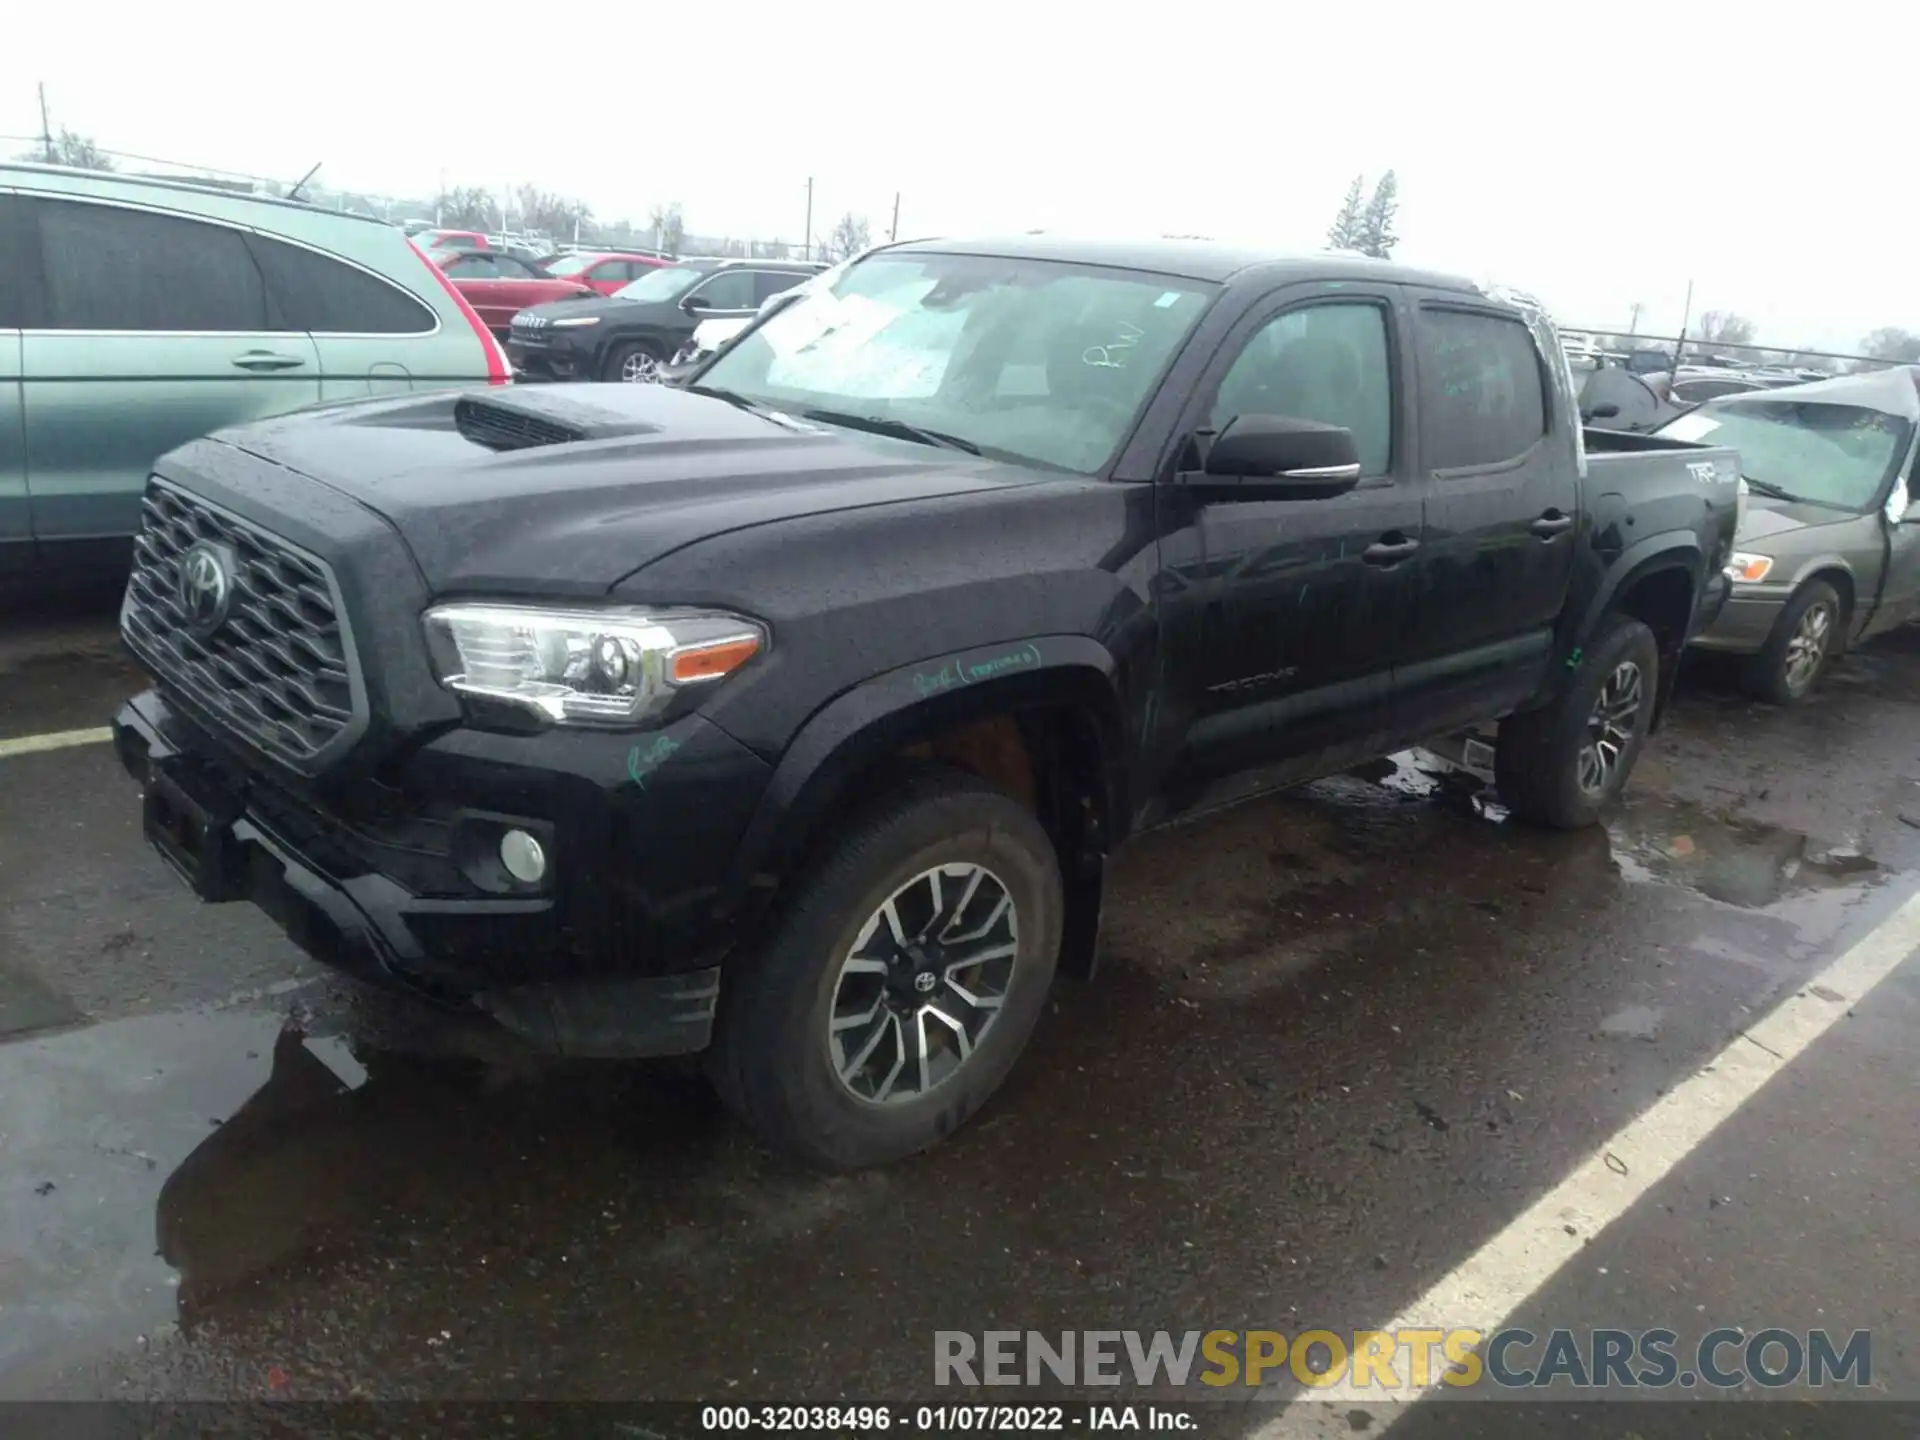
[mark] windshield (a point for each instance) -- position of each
(1025, 359)
(571, 264)
(1835, 454)
(660, 284)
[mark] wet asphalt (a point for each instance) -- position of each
(1338, 1040)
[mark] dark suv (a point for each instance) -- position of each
(630, 334)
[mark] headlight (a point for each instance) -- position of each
(586, 667)
(1746, 569)
(575, 321)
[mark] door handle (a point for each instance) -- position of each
(1386, 552)
(1551, 524)
(267, 360)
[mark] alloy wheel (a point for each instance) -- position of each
(1610, 727)
(924, 982)
(640, 368)
(1808, 646)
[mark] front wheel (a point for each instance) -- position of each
(1562, 765)
(902, 980)
(637, 363)
(1798, 648)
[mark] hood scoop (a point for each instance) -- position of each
(530, 419)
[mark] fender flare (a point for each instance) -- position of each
(1674, 550)
(876, 717)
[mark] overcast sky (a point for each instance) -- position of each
(1596, 154)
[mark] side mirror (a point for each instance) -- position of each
(696, 302)
(1276, 457)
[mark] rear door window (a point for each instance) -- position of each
(770, 283)
(1482, 390)
(317, 293)
(728, 290)
(111, 268)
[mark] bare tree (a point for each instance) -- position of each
(1892, 343)
(467, 207)
(546, 213)
(1724, 327)
(70, 148)
(847, 238)
(669, 227)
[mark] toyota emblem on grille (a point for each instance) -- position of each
(206, 586)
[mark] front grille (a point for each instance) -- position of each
(500, 427)
(278, 672)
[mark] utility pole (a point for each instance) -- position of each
(1686, 314)
(46, 127)
(806, 249)
(1633, 318)
(893, 230)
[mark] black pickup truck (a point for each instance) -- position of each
(794, 715)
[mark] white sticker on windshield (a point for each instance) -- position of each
(1691, 427)
(1172, 297)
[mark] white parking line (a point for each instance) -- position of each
(1482, 1293)
(58, 740)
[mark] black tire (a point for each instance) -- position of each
(1538, 762)
(771, 1059)
(1772, 674)
(617, 358)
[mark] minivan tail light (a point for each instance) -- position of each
(499, 372)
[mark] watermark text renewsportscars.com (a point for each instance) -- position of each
(1409, 1360)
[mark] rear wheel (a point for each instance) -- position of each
(1801, 643)
(635, 363)
(902, 980)
(1562, 765)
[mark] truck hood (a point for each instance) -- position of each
(557, 515)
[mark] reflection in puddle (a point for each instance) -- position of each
(1728, 858)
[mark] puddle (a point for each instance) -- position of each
(1729, 858)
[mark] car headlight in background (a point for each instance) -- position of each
(573, 322)
(1746, 569)
(586, 667)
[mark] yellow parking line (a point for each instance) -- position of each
(58, 740)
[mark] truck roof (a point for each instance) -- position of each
(1190, 259)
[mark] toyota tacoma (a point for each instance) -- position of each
(795, 715)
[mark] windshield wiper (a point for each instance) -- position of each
(898, 429)
(732, 397)
(1768, 489)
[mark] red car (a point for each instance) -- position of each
(604, 271)
(499, 286)
(453, 239)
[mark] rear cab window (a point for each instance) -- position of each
(1483, 390)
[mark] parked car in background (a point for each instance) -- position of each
(434, 239)
(140, 313)
(602, 271)
(629, 335)
(1694, 385)
(1828, 551)
(499, 286)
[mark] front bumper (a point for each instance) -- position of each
(550, 358)
(1746, 619)
(617, 956)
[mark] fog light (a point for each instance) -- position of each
(523, 857)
